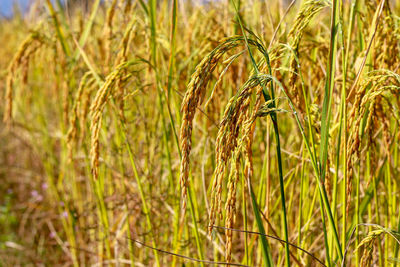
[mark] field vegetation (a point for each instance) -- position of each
(184, 133)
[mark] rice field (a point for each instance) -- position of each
(195, 133)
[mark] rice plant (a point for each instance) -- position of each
(193, 133)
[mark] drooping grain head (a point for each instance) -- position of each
(73, 120)
(367, 103)
(96, 110)
(122, 56)
(234, 138)
(193, 98)
(308, 11)
(21, 58)
(108, 33)
(244, 147)
(227, 139)
(386, 49)
(368, 244)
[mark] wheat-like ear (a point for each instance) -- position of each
(108, 32)
(307, 12)
(368, 242)
(122, 56)
(229, 146)
(21, 58)
(244, 146)
(96, 110)
(194, 97)
(375, 85)
(73, 120)
(83, 107)
(236, 113)
(386, 49)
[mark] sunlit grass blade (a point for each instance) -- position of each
(266, 249)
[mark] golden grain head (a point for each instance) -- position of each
(21, 60)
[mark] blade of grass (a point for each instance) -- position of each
(277, 139)
(267, 254)
(88, 27)
(59, 30)
(326, 118)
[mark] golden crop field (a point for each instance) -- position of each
(195, 133)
